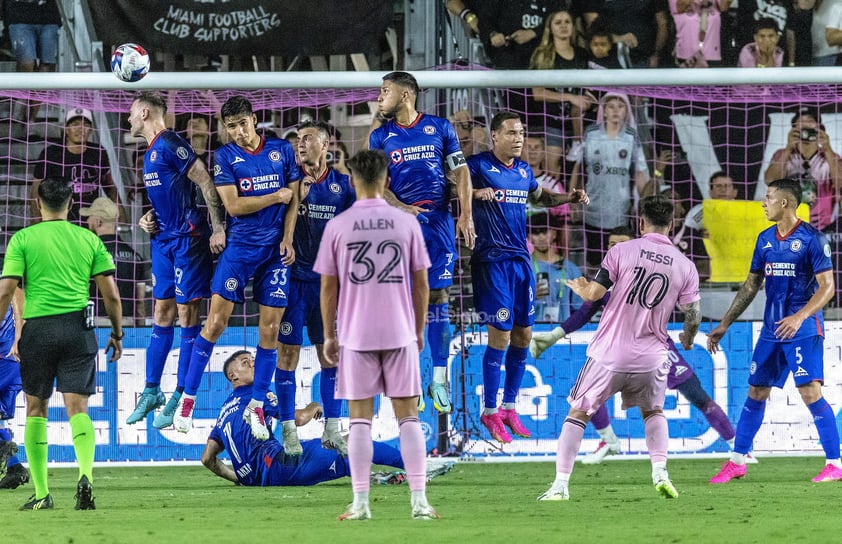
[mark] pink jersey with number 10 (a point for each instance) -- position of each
(650, 276)
(373, 249)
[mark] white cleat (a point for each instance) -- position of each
(603, 450)
(355, 513)
(253, 415)
(183, 418)
(555, 493)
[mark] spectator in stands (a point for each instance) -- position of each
(558, 112)
(750, 12)
(471, 133)
(697, 31)
(509, 29)
(535, 157)
(462, 9)
(604, 53)
(83, 163)
(827, 33)
(33, 33)
(689, 238)
(131, 272)
(799, 33)
(609, 164)
(553, 299)
(809, 159)
(642, 25)
(763, 52)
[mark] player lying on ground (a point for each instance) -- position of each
(263, 462)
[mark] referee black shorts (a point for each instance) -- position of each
(58, 349)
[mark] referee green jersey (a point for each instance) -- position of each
(55, 260)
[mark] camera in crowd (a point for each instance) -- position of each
(809, 134)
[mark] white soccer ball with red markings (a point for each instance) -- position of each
(130, 62)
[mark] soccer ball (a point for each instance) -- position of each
(130, 62)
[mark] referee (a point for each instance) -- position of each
(54, 261)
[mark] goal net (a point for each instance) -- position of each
(685, 135)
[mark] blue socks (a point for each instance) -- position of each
(331, 406)
(750, 420)
(188, 337)
(160, 344)
(285, 388)
(825, 421)
(202, 350)
(515, 366)
(265, 361)
(438, 333)
(492, 360)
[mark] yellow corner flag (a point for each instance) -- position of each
(733, 226)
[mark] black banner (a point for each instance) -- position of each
(244, 27)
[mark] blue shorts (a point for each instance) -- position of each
(262, 264)
(181, 268)
(504, 293)
(34, 42)
(303, 309)
(317, 464)
(10, 386)
(440, 237)
(772, 362)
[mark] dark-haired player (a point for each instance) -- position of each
(794, 260)
(329, 194)
(628, 353)
(181, 247)
(501, 268)
(257, 179)
(424, 155)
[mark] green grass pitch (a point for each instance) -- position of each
(478, 502)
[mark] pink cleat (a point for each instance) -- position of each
(512, 421)
(830, 473)
(730, 471)
(495, 426)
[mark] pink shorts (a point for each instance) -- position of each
(596, 384)
(395, 373)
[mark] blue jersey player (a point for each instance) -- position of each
(794, 260)
(14, 474)
(181, 247)
(501, 268)
(425, 153)
(264, 462)
(328, 194)
(257, 179)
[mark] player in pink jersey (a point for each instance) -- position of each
(628, 354)
(374, 291)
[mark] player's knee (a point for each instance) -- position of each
(188, 314)
(165, 312)
(214, 327)
(288, 357)
(521, 336)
